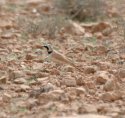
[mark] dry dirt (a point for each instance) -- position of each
(31, 86)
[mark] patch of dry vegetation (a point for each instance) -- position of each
(47, 25)
(82, 10)
(120, 24)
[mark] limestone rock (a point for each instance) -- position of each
(111, 96)
(69, 82)
(15, 74)
(90, 70)
(80, 90)
(6, 97)
(87, 109)
(111, 85)
(102, 77)
(24, 87)
(3, 80)
(20, 80)
(121, 73)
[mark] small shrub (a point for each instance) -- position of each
(44, 25)
(119, 23)
(81, 9)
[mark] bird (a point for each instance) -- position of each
(57, 57)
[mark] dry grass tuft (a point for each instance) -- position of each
(47, 25)
(82, 9)
(119, 26)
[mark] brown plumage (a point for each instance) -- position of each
(60, 58)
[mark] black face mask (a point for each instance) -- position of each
(48, 50)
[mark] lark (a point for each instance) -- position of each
(57, 57)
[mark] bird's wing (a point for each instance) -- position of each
(63, 59)
(60, 57)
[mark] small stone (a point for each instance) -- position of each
(33, 82)
(24, 87)
(111, 85)
(114, 109)
(111, 96)
(58, 91)
(69, 82)
(76, 29)
(122, 56)
(80, 81)
(71, 93)
(30, 57)
(98, 35)
(33, 2)
(46, 8)
(6, 97)
(36, 74)
(92, 91)
(102, 77)
(7, 35)
(56, 94)
(37, 66)
(90, 85)
(107, 31)
(100, 49)
(34, 11)
(31, 103)
(55, 72)
(121, 73)
(3, 80)
(113, 115)
(102, 65)
(80, 90)
(100, 27)
(20, 80)
(69, 69)
(90, 69)
(42, 79)
(44, 98)
(103, 107)
(87, 109)
(21, 104)
(6, 24)
(15, 74)
(45, 89)
(113, 12)
(49, 87)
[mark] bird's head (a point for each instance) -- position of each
(48, 48)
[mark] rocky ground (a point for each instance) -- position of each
(32, 87)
